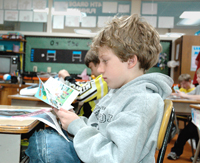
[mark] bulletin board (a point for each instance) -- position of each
(69, 53)
(57, 53)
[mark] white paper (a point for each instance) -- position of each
(24, 4)
(40, 17)
(25, 16)
(58, 22)
(1, 16)
(123, 8)
(165, 22)
(60, 6)
(149, 8)
(177, 51)
(195, 52)
(72, 21)
(103, 20)
(10, 4)
(151, 20)
(39, 4)
(109, 7)
(11, 15)
(89, 21)
(1, 4)
(43, 114)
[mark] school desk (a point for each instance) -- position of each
(182, 106)
(20, 100)
(197, 107)
(10, 135)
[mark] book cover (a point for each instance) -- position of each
(56, 93)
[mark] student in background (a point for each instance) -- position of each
(190, 131)
(186, 86)
(89, 97)
(125, 123)
(186, 83)
(197, 63)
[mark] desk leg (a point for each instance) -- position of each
(10, 147)
(198, 148)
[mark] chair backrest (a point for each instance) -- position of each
(165, 129)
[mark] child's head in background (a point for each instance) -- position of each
(92, 61)
(133, 41)
(185, 81)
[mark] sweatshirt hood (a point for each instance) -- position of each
(153, 82)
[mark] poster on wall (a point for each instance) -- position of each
(24, 4)
(1, 17)
(195, 51)
(11, 15)
(1, 4)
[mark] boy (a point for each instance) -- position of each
(186, 86)
(98, 87)
(186, 83)
(124, 124)
(190, 131)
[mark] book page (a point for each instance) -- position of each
(44, 115)
(56, 93)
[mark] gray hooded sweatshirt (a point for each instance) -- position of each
(124, 125)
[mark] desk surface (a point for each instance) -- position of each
(179, 100)
(20, 97)
(17, 126)
(195, 106)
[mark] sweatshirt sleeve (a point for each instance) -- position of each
(90, 90)
(124, 139)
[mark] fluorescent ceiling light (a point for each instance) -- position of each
(185, 22)
(82, 31)
(190, 14)
(41, 10)
(174, 34)
(70, 12)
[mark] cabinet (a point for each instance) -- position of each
(183, 54)
(13, 46)
(9, 89)
(9, 45)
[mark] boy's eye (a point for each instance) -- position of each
(105, 61)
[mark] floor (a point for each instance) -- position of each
(184, 158)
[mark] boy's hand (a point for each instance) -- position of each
(66, 117)
(181, 94)
(63, 73)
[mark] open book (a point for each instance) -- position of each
(43, 114)
(56, 93)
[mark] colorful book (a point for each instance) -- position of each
(56, 93)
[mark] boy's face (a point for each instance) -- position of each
(114, 71)
(94, 68)
(185, 84)
(198, 78)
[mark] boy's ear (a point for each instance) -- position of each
(132, 61)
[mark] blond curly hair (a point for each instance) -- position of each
(128, 36)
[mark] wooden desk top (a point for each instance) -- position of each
(195, 106)
(181, 100)
(17, 126)
(20, 97)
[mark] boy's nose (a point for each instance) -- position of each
(100, 69)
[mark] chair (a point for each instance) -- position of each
(165, 129)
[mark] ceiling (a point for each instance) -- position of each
(174, 8)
